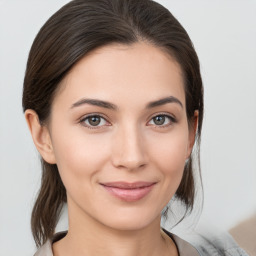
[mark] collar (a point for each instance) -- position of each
(184, 248)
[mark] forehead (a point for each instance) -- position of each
(139, 71)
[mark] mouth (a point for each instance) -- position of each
(128, 192)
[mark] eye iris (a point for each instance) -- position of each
(159, 120)
(94, 120)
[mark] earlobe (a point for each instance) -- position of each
(192, 133)
(41, 136)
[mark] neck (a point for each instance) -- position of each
(86, 236)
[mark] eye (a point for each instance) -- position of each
(162, 120)
(94, 121)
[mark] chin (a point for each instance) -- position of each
(130, 220)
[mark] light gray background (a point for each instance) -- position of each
(224, 35)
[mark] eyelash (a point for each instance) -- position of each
(82, 121)
(172, 120)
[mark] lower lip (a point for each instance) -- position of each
(129, 195)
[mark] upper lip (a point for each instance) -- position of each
(128, 185)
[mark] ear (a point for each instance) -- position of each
(192, 133)
(41, 136)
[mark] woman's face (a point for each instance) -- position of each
(120, 135)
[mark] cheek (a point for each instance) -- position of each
(79, 156)
(169, 155)
(170, 151)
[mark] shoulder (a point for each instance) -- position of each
(217, 244)
(198, 244)
(46, 249)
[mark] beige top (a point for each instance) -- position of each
(199, 245)
(184, 248)
(245, 234)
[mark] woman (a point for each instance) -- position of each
(113, 99)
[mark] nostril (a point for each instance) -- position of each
(131, 163)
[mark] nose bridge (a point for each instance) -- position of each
(129, 149)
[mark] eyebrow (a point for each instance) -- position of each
(94, 102)
(108, 105)
(163, 101)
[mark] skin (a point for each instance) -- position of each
(126, 145)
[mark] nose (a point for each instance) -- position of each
(129, 150)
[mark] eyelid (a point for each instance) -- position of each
(82, 120)
(168, 115)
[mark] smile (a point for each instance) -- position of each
(129, 192)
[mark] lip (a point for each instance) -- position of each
(129, 192)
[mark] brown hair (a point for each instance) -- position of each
(71, 33)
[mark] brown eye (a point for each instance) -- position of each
(162, 120)
(94, 120)
(159, 120)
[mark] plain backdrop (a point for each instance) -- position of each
(224, 35)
